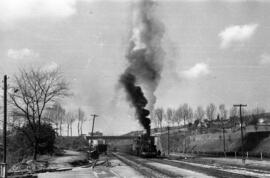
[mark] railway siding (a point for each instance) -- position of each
(211, 171)
(174, 168)
(145, 169)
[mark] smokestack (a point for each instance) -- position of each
(145, 57)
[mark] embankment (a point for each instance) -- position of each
(255, 142)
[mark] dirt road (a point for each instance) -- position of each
(117, 169)
(67, 159)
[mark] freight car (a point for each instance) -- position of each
(144, 146)
(100, 145)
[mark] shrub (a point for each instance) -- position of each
(72, 143)
(20, 142)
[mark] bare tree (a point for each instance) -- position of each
(56, 115)
(169, 116)
(33, 91)
(211, 111)
(178, 116)
(67, 120)
(81, 120)
(223, 111)
(154, 120)
(246, 112)
(234, 114)
(173, 117)
(159, 113)
(187, 112)
(258, 110)
(199, 113)
(70, 118)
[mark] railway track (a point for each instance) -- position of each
(140, 165)
(206, 169)
(174, 168)
(250, 169)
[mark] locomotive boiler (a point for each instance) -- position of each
(144, 146)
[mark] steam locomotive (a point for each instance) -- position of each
(144, 146)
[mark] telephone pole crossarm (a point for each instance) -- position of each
(239, 105)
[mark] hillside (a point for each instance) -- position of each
(254, 142)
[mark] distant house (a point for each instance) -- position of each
(264, 121)
(254, 122)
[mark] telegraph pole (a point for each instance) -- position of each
(185, 136)
(168, 140)
(223, 134)
(4, 173)
(241, 120)
(92, 133)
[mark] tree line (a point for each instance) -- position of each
(185, 114)
(59, 116)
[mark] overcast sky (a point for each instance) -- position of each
(216, 51)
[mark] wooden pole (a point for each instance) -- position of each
(5, 129)
(168, 140)
(92, 133)
(224, 142)
(242, 135)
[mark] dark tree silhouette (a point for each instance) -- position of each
(34, 90)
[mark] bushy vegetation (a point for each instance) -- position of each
(20, 145)
(72, 143)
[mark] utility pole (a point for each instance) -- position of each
(185, 136)
(168, 140)
(4, 168)
(241, 120)
(92, 133)
(223, 134)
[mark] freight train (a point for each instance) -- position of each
(144, 146)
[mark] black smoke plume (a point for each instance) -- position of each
(145, 57)
(136, 96)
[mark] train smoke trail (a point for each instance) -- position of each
(145, 57)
